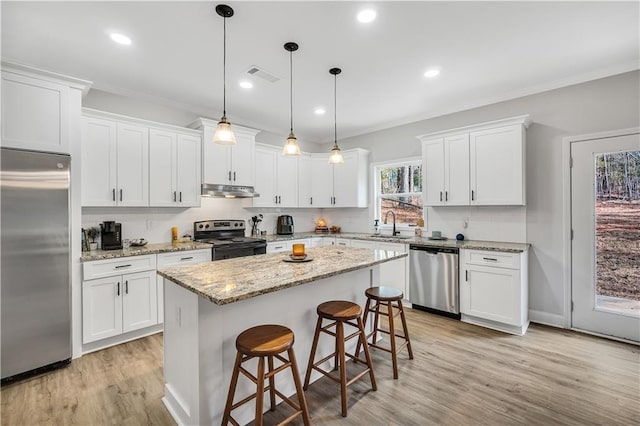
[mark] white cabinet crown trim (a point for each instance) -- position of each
(201, 122)
(90, 112)
(520, 119)
(73, 82)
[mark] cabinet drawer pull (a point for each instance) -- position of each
(490, 258)
(186, 258)
(118, 291)
(126, 286)
(122, 266)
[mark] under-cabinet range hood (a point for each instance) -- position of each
(228, 191)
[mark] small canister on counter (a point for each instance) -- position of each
(174, 234)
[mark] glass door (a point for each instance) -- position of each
(605, 219)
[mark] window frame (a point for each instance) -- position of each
(376, 205)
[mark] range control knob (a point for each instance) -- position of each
(200, 226)
(207, 225)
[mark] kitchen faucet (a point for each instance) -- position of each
(386, 216)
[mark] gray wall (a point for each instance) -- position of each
(599, 105)
(105, 101)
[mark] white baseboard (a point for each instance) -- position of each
(546, 318)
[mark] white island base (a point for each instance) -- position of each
(199, 342)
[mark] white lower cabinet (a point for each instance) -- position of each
(494, 290)
(118, 304)
(287, 245)
(166, 260)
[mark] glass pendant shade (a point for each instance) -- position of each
(224, 135)
(335, 157)
(291, 147)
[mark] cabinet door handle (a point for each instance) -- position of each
(126, 286)
(446, 195)
(229, 175)
(118, 290)
(279, 199)
(121, 195)
(490, 258)
(113, 194)
(466, 275)
(180, 196)
(440, 196)
(174, 196)
(311, 200)
(122, 266)
(234, 176)
(472, 195)
(275, 199)
(186, 258)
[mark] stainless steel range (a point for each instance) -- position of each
(227, 237)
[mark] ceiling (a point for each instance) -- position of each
(486, 51)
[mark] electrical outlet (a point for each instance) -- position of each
(465, 222)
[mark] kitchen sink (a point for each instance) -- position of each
(397, 237)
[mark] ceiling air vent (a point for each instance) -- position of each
(256, 71)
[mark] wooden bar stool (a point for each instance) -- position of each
(266, 341)
(340, 312)
(385, 296)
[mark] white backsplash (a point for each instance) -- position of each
(154, 223)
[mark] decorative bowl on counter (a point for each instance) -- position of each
(140, 242)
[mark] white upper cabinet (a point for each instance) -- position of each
(305, 183)
(133, 165)
(133, 162)
(227, 165)
(476, 165)
(115, 163)
(276, 178)
(39, 109)
(174, 169)
(99, 169)
(498, 166)
(340, 185)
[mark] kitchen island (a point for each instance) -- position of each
(208, 305)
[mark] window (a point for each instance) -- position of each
(399, 189)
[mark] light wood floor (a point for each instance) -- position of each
(461, 375)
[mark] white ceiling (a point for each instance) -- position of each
(487, 51)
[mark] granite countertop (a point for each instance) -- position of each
(232, 280)
(88, 256)
(450, 243)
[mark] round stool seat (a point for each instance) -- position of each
(384, 293)
(340, 310)
(265, 340)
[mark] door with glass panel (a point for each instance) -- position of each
(605, 249)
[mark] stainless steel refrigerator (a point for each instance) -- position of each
(35, 284)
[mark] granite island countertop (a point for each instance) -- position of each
(425, 241)
(88, 256)
(232, 280)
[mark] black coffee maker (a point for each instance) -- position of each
(111, 234)
(284, 225)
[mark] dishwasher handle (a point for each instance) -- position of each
(433, 250)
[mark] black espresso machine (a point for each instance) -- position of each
(111, 235)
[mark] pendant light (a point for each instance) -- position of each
(291, 147)
(335, 157)
(224, 135)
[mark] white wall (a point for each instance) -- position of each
(154, 223)
(599, 105)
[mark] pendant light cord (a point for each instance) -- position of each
(335, 106)
(224, 69)
(291, 87)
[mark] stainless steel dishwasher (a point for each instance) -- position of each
(433, 279)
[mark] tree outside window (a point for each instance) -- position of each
(399, 188)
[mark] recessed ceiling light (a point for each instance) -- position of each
(366, 16)
(246, 84)
(319, 111)
(431, 73)
(120, 38)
